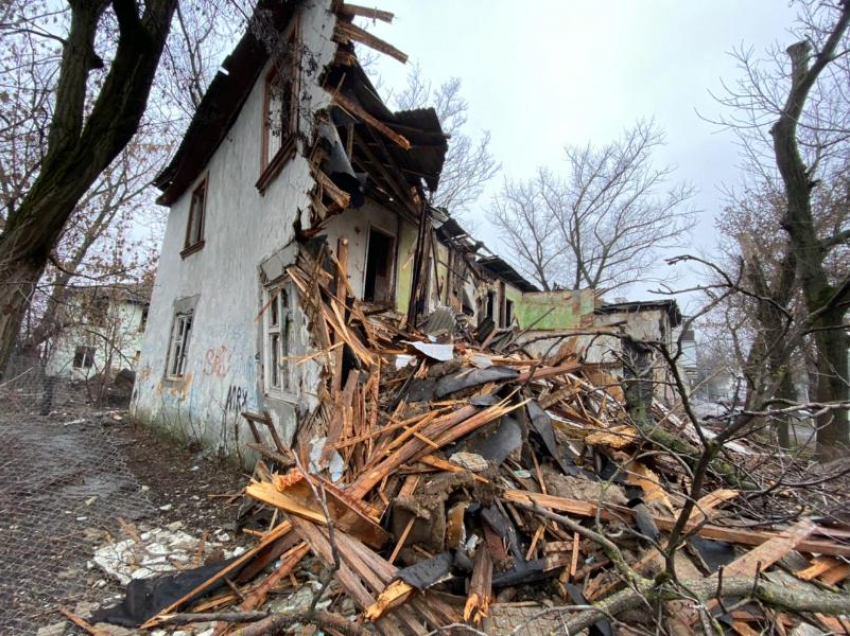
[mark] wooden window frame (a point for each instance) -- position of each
(270, 167)
(191, 248)
(278, 326)
(185, 337)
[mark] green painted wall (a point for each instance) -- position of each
(568, 308)
(404, 273)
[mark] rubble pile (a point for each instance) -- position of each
(445, 480)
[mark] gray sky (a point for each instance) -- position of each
(541, 74)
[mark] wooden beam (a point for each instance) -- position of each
(356, 111)
(354, 32)
(741, 536)
(353, 10)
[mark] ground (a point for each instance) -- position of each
(77, 479)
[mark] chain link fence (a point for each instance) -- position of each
(65, 489)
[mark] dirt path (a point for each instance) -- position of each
(65, 481)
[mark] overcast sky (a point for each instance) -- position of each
(542, 74)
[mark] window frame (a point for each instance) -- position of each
(190, 247)
(185, 336)
(279, 323)
(87, 355)
(270, 166)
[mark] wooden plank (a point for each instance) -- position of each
(354, 10)
(740, 536)
(480, 587)
(358, 34)
(358, 112)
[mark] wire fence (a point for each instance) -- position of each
(64, 485)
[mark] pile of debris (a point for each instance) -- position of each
(441, 482)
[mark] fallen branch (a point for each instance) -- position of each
(263, 623)
(795, 599)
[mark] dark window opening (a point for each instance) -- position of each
(377, 287)
(197, 212)
(143, 322)
(509, 313)
(83, 357)
(491, 305)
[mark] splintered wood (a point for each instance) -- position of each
(443, 464)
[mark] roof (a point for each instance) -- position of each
(137, 293)
(227, 93)
(421, 127)
(221, 104)
(450, 232)
(671, 307)
(499, 267)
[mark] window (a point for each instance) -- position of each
(278, 337)
(491, 305)
(96, 312)
(179, 344)
(377, 286)
(143, 321)
(509, 313)
(83, 357)
(197, 214)
(280, 113)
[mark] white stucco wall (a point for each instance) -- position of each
(115, 342)
(243, 228)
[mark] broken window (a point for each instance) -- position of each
(380, 256)
(179, 344)
(83, 357)
(279, 337)
(197, 213)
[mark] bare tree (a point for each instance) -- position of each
(469, 164)
(791, 112)
(82, 138)
(610, 213)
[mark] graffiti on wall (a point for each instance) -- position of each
(237, 399)
(216, 361)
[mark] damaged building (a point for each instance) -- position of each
(292, 147)
(288, 148)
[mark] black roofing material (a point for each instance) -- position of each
(428, 572)
(496, 441)
(502, 269)
(145, 598)
(467, 379)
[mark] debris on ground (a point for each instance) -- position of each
(445, 480)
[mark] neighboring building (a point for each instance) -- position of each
(102, 332)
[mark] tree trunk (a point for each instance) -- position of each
(826, 304)
(15, 295)
(832, 364)
(79, 148)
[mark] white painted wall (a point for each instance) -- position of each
(115, 342)
(243, 228)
